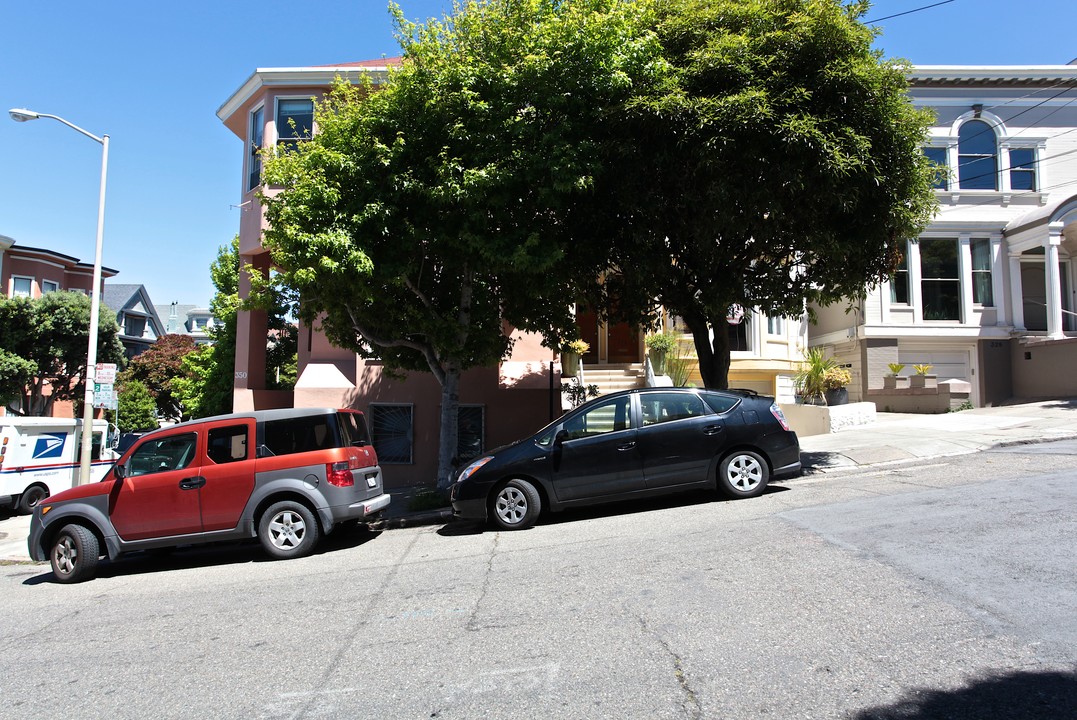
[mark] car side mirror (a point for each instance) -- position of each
(119, 471)
(561, 436)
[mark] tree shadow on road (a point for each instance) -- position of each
(1018, 695)
(348, 535)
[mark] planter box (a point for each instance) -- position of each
(895, 382)
(924, 381)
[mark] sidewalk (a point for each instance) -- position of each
(893, 437)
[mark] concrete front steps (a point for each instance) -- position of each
(613, 378)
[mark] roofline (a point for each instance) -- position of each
(991, 73)
(75, 263)
(310, 75)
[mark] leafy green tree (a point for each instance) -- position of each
(780, 162)
(204, 385)
(137, 407)
(51, 334)
(427, 217)
(15, 374)
(156, 370)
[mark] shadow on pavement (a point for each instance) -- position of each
(685, 499)
(209, 555)
(1011, 696)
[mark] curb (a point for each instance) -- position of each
(433, 517)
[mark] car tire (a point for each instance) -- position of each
(515, 505)
(31, 497)
(74, 554)
(288, 529)
(743, 474)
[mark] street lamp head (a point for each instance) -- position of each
(22, 115)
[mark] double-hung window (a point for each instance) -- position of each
(899, 282)
(1022, 168)
(48, 286)
(981, 272)
(940, 280)
(295, 122)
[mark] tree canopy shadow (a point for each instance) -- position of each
(1017, 695)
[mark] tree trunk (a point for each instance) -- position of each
(450, 427)
(713, 353)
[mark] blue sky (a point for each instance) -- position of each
(152, 75)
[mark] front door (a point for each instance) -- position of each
(158, 495)
(597, 454)
(609, 342)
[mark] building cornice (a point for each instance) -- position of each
(314, 76)
(950, 75)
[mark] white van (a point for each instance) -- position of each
(39, 456)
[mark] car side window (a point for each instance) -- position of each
(174, 452)
(227, 444)
(302, 434)
(720, 403)
(667, 407)
(602, 418)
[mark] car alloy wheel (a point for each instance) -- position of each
(288, 529)
(743, 474)
(516, 505)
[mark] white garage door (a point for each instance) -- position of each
(946, 364)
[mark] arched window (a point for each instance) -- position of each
(977, 159)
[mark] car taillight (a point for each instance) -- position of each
(778, 415)
(339, 474)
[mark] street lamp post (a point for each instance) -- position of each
(23, 115)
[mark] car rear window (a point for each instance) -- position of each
(303, 434)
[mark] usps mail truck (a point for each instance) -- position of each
(40, 456)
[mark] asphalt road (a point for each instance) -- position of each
(944, 590)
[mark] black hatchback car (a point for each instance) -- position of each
(632, 444)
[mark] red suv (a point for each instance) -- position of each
(283, 476)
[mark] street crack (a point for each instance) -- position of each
(690, 704)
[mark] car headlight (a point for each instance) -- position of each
(470, 469)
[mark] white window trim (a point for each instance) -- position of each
(55, 286)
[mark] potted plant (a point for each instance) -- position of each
(570, 356)
(835, 381)
(810, 380)
(922, 378)
(660, 346)
(895, 380)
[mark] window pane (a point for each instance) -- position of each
(171, 453)
(21, 287)
(668, 407)
(608, 417)
(938, 258)
(981, 272)
(1022, 169)
(295, 119)
(48, 286)
(977, 156)
(469, 443)
(391, 432)
(942, 300)
(302, 434)
(254, 164)
(227, 444)
(899, 283)
(738, 336)
(937, 155)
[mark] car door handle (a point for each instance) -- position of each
(192, 483)
(712, 429)
(626, 446)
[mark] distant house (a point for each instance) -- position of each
(189, 320)
(986, 294)
(139, 324)
(32, 272)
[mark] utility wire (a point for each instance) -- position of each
(907, 12)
